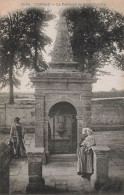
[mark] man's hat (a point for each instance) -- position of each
(17, 119)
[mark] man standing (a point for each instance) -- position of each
(16, 136)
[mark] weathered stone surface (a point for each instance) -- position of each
(35, 168)
(101, 165)
(62, 48)
(60, 87)
(36, 181)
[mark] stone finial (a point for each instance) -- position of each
(62, 52)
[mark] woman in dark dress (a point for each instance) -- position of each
(81, 154)
(89, 142)
(85, 156)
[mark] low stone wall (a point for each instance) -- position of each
(4, 168)
(24, 109)
(107, 114)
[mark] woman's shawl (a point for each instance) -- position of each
(90, 141)
(82, 139)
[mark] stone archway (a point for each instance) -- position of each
(62, 129)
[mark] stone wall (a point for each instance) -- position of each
(106, 114)
(24, 109)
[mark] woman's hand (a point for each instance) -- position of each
(86, 149)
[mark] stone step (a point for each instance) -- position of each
(63, 157)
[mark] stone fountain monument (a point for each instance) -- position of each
(62, 107)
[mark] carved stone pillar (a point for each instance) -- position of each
(39, 120)
(101, 165)
(79, 129)
(87, 116)
(46, 136)
(36, 181)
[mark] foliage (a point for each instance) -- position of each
(22, 41)
(97, 37)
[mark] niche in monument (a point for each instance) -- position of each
(62, 129)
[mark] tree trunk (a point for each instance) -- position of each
(36, 45)
(11, 91)
(36, 57)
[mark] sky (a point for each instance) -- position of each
(104, 83)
